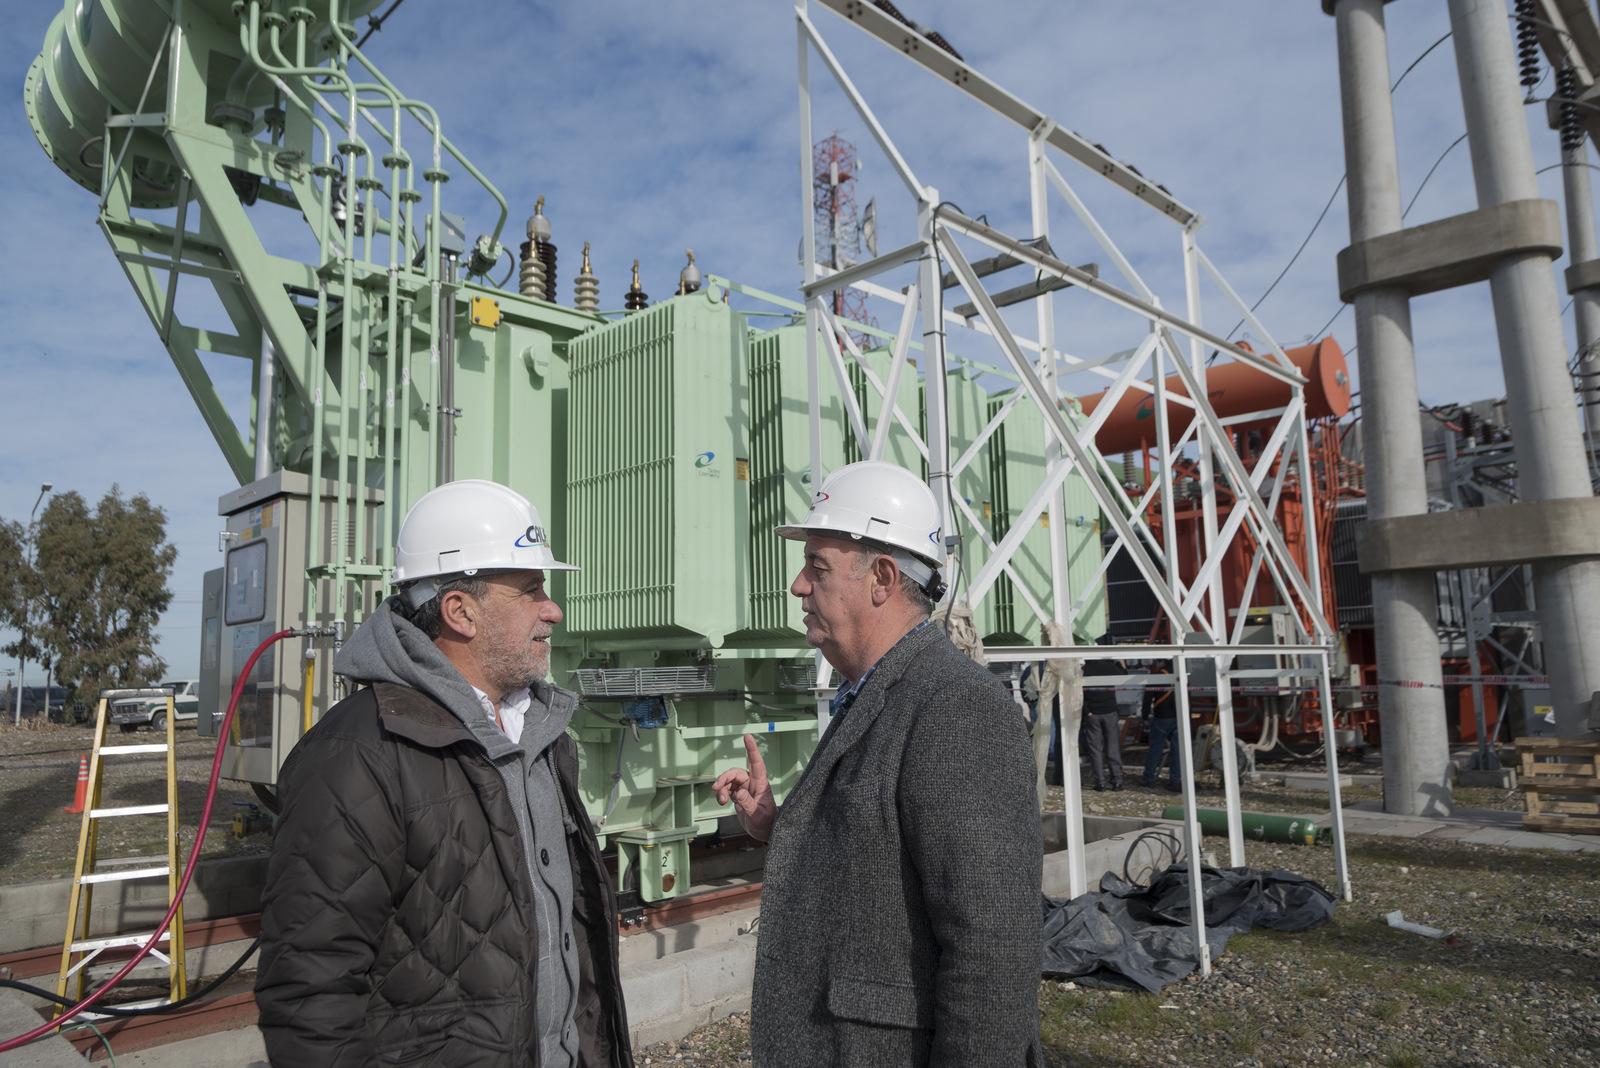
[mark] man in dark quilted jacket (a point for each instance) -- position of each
(435, 894)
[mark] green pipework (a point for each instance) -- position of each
(434, 126)
(1296, 830)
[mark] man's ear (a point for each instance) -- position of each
(885, 579)
(458, 614)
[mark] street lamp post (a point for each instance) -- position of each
(26, 607)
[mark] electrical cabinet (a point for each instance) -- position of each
(260, 589)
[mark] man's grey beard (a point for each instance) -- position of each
(505, 662)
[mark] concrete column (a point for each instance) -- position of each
(1416, 754)
(1533, 353)
(1581, 248)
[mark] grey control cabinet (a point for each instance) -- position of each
(262, 588)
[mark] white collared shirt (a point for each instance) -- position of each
(513, 710)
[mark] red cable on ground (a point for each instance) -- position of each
(188, 871)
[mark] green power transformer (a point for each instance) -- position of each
(662, 447)
(1016, 468)
(687, 442)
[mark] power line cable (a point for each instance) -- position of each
(1322, 215)
(1414, 62)
(1331, 197)
(1563, 163)
(1403, 214)
(1425, 177)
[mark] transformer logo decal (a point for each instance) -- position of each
(704, 459)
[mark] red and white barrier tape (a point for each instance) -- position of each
(1448, 680)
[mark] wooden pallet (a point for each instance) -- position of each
(1578, 774)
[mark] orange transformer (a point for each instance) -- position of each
(1235, 390)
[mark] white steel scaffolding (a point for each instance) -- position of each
(1194, 609)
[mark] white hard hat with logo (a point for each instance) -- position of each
(883, 502)
(466, 527)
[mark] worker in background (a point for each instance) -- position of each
(435, 893)
(900, 920)
(1101, 725)
(1161, 719)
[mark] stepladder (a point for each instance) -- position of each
(87, 949)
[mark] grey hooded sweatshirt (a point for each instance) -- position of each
(387, 648)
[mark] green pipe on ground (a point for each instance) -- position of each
(1298, 830)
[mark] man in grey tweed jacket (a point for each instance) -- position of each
(900, 920)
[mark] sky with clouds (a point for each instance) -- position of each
(652, 127)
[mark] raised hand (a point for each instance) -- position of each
(750, 792)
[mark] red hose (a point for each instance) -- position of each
(188, 871)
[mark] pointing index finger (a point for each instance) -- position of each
(758, 766)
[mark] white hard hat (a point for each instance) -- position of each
(883, 502)
(466, 527)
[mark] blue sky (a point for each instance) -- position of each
(652, 127)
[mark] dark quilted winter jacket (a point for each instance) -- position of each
(397, 919)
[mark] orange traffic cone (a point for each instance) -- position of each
(83, 786)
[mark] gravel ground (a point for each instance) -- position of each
(39, 774)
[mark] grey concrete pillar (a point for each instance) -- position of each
(1416, 753)
(1581, 248)
(1533, 354)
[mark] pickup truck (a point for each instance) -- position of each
(148, 708)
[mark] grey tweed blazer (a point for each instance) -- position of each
(900, 915)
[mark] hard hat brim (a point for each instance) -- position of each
(798, 532)
(554, 565)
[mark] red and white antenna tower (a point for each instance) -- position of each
(839, 231)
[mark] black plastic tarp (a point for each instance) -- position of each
(1128, 937)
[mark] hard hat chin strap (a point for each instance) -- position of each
(928, 578)
(421, 592)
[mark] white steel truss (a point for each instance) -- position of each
(1195, 611)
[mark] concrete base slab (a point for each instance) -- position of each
(645, 946)
(51, 1051)
(35, 914)
(1109, 840)
(1463, 756)
(241, 1048)
(1312, 780)
(1499, 779)
(1478, 826)
(670, 997)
